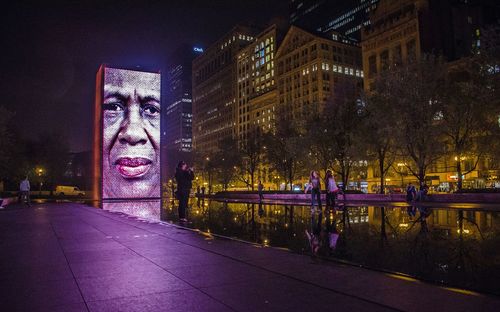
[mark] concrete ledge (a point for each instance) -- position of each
(436, 198)
(8, 200)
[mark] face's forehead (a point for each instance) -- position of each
(115, 78)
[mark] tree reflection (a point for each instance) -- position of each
(451, 245)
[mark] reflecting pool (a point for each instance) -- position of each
(454, 246)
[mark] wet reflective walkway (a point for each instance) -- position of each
(71, 257)
(453, 246)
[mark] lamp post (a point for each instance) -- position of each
(39, 171)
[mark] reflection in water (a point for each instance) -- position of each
(146, 209)
(456, 246)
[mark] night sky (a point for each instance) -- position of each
(51, 51)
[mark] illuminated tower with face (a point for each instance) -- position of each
(127, 135)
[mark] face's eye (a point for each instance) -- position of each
(113, 107)
(151, 110)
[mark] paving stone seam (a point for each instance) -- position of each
(69, 266)
(247, 263)
(149, 260)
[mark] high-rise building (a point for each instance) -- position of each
(257, 97)
(346, 18)
(215, 89)
(404, 29)
(177, 132)
(178, 115)
(309, 66)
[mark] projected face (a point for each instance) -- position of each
(131, 134)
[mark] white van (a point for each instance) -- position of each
(64, 190)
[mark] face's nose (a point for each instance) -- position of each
(132, 130)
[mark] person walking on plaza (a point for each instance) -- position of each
(184, 177)
(411, 192)
(315, 187)
(260, 187)
(24, 189)
(331, 189)
(422, 193)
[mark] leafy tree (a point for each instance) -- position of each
(52, 154)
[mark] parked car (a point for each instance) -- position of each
(66, 190)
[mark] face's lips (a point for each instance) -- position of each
(133, 167)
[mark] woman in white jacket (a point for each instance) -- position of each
(331, 189)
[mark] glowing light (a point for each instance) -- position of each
(463, 291)
(403, 277)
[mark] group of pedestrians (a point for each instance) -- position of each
(314, 185)
(413, 195)
(317, 236)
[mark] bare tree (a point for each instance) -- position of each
(413, 91)
(378, 134)
(344, 115)
(250, 158)
(464, 120)
(284, 149)
(225, 161)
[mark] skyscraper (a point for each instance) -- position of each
(178, 114)
(404, 29)
(257, 98)
(346, 17)
(309, 67)
(215, 89)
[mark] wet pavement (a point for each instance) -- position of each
(454, 246)
(71, 257)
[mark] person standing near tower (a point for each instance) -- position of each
(184, 176)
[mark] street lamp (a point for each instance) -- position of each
(39, 172)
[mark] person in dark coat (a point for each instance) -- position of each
(184, 176)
